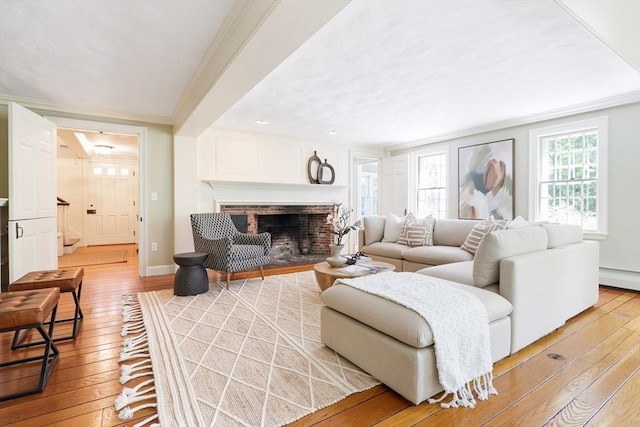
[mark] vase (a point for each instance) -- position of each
(336, 260)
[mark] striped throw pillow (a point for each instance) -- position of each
(480, 230)
(417, 232)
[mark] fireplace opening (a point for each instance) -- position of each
(294, 238)
(299, 233)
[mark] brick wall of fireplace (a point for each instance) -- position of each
(299, 233)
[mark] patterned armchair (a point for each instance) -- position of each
(229, 250)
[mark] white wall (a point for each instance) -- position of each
(620, 251)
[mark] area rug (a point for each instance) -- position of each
(91, 258)
(247, 356)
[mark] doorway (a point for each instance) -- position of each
(366, 188)
(100, 171)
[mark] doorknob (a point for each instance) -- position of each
(19, 231)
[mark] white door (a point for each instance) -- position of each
(36, 240)
(394, 185)
(110, 211)
(32, 192)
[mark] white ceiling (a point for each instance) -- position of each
(379, 72)
(132, 56)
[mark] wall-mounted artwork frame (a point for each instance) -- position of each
(486, 180)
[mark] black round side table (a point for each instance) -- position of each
(191, 277)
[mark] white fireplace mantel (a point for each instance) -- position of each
(274, 185)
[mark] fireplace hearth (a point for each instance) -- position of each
(299, 233)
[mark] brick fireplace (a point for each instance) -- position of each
(299, 233)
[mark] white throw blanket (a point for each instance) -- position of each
(460, 327)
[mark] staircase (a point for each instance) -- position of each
(67, 238)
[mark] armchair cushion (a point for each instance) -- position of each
(263, 240)
(246, 251)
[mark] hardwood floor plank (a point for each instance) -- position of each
(64, 415)
(368, 412)
(336, 408)
(588, 403)
(62, 396)
(545, 401)
(623, 408)
(410, 415)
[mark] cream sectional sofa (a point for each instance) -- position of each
(531, 281)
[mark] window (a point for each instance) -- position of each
(569, 174)
(431, 190)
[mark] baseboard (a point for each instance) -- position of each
(620, 279)
(160, 270)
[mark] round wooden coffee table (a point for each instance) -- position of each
(326, 275)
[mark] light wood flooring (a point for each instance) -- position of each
(594, 379)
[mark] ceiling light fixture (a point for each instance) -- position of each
(102, 150)
(333, 132)
(262, 122)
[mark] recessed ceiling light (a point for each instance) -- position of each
(333, 132)
(262, 122)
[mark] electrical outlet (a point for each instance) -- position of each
(154, 247)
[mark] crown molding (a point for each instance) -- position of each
(92, 112)
(614, 101)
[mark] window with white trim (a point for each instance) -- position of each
(569, 174)
(431, 186)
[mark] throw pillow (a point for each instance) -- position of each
(373, 229)
(518, 222)
(417, 232)
(392, 227)
(480, 230)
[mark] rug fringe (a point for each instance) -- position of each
(148, 420)
(135, 347)
(132, 328)
(135, 394)
(126, 370)
(127, 413)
